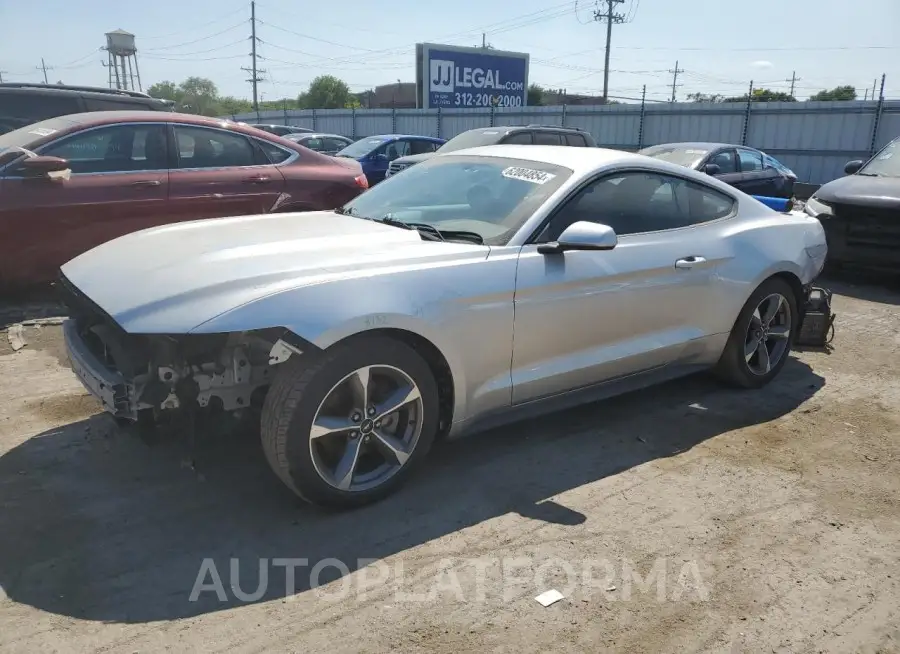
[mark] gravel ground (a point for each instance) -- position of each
(682, 518)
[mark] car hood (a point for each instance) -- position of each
(172, 279)
(877, 192)
(411, 159)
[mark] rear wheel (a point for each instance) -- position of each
(760, 341)
(348, 428)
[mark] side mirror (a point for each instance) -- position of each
(712, 169)
(381, 158)
(582, 235)
(44, 166)
(853, 167)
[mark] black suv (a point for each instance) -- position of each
(24, 104)
(503, 134)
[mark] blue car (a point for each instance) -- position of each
(375, 153)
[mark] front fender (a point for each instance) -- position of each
(464, 310)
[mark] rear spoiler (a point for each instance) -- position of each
(778, 204)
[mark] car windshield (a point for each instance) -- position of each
(472, 139)
(885, 164)
(24, 137)
(362, 147)
(490, 196)
(683, 156)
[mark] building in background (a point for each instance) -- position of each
(401, 95)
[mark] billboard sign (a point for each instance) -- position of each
(453, 77)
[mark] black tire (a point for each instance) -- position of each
(295, 395)
(732, 367)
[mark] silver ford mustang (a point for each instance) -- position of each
(475, 288)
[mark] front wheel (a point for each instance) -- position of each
(348, 428)
(760, 341)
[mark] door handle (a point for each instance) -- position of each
(147, 182)
(689, 262)
(258, 179)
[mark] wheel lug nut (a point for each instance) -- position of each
(354, 435)
(355, 417)
(378, 423)
(371, 411)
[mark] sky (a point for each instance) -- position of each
(721, 45)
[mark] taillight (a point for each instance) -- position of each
(361, 181)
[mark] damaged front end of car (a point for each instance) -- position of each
(135, 375)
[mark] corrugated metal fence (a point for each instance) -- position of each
(815, 139)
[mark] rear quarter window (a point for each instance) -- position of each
(576, 140)
(116, 104)
(33, 107)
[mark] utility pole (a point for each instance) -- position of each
(43, 67)
(874, 86)
(794, 79)
(1, 76)
(675, 83)
(254, 71)
(611, 18)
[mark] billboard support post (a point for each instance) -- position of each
(353, 123)
(393, 120)
(564, 111)
(438, 123)
(452, 76)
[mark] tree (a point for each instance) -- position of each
(764, 95)
(536, 95)
(326, 92)
(195, 95)
(706, 97)
(843, 93)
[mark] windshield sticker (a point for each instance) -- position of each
(43, 131)
(696, 151)
(886, 155)
(527, 175)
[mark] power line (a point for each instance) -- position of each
(203, 38)
(611, 18)
(44, 68)
(255, 73)
(675, 83)
(794, 79)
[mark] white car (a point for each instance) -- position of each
(478, 287)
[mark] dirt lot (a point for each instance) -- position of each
(685, 518)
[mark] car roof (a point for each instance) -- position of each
(136, 116)
(315, 135)
(400, 136)
(700, 144)
(579, 160)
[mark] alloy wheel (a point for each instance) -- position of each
(366, 428)
(768, 334)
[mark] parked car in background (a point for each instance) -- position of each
(22, 104)
(375, 153)
(751, 170)
(861, 212)
(73, 182)
(324, 143)
(365, 334)
(503, 134)
(281, 130)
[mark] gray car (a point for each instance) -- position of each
(364, 334)
(501, 135)
(325, 143)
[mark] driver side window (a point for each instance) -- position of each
(396, 149)
(638, 202)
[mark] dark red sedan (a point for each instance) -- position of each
(70, 183)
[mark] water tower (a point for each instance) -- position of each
(122, 60)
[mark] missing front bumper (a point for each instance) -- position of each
(108, 386)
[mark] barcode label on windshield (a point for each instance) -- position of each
(528, 175)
